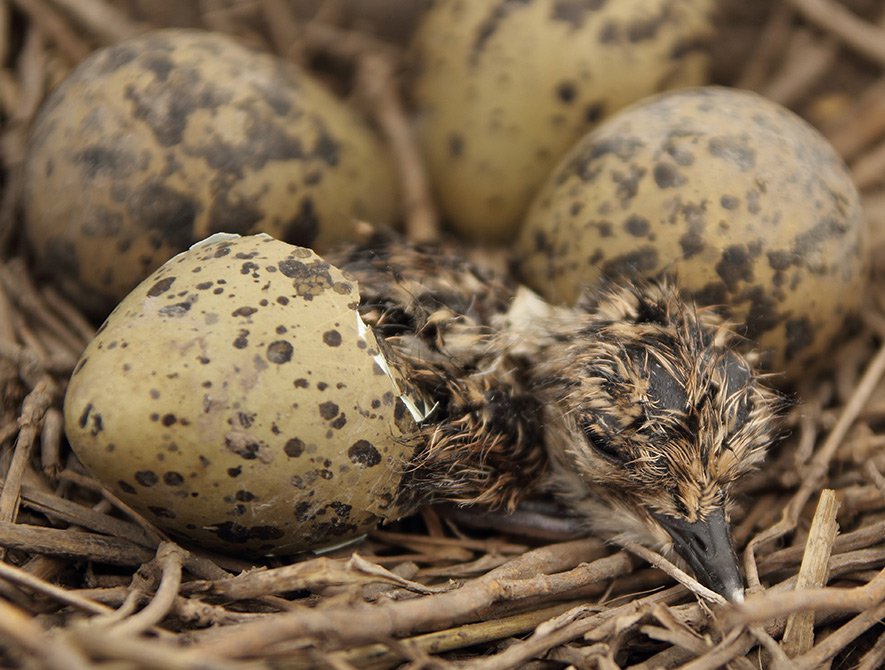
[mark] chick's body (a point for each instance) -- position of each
(633, 407)
(439, 317)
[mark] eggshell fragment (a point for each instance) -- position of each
(237, 400)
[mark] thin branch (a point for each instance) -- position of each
(55, 28)
(313, 575)
(24, 631)
(865, 38)
(146, 653)
(559, 632)
(411, 616)
(875, 657)
(799, 633)
(768, 46)
(283, 28)
(103, 20)
(772, 605)
(818, 466)
(18, 576)
(734, 644)
(34, 407)
(72, 544)
(839, 639)
(170, 557)
(679, 575)
(379, 85)
(451, 639)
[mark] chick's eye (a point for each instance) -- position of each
(601, 441)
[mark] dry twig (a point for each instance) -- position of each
(55, 28)
(53, 653)
(412, 616)
(169, 558)
(107, 22)
(379, 85)
(799, 633)
(676, 573)
(33, 409)
(818, 466)
(770, 606)
(311, 575)
(18, 576)
(866, 38)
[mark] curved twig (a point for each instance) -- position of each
(170, 557)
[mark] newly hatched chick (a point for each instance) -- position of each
(633, 407)
(650, 416)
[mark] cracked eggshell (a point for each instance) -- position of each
(742, 200)
(156, 142)
(503, 89)
(236, 399)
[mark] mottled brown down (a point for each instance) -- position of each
(632, 407)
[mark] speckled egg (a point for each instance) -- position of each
(159, 141)
(504, 88)
(236, 399)
(742, 200)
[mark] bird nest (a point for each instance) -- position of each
(87, 582)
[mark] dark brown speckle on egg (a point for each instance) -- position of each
(364, 453)
(146, 477)
(162, 512)
(279, 352)
(332, 338)
(294, 447)
(328, 410)
(160, 287)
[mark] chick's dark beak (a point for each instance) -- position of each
(706, 546)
